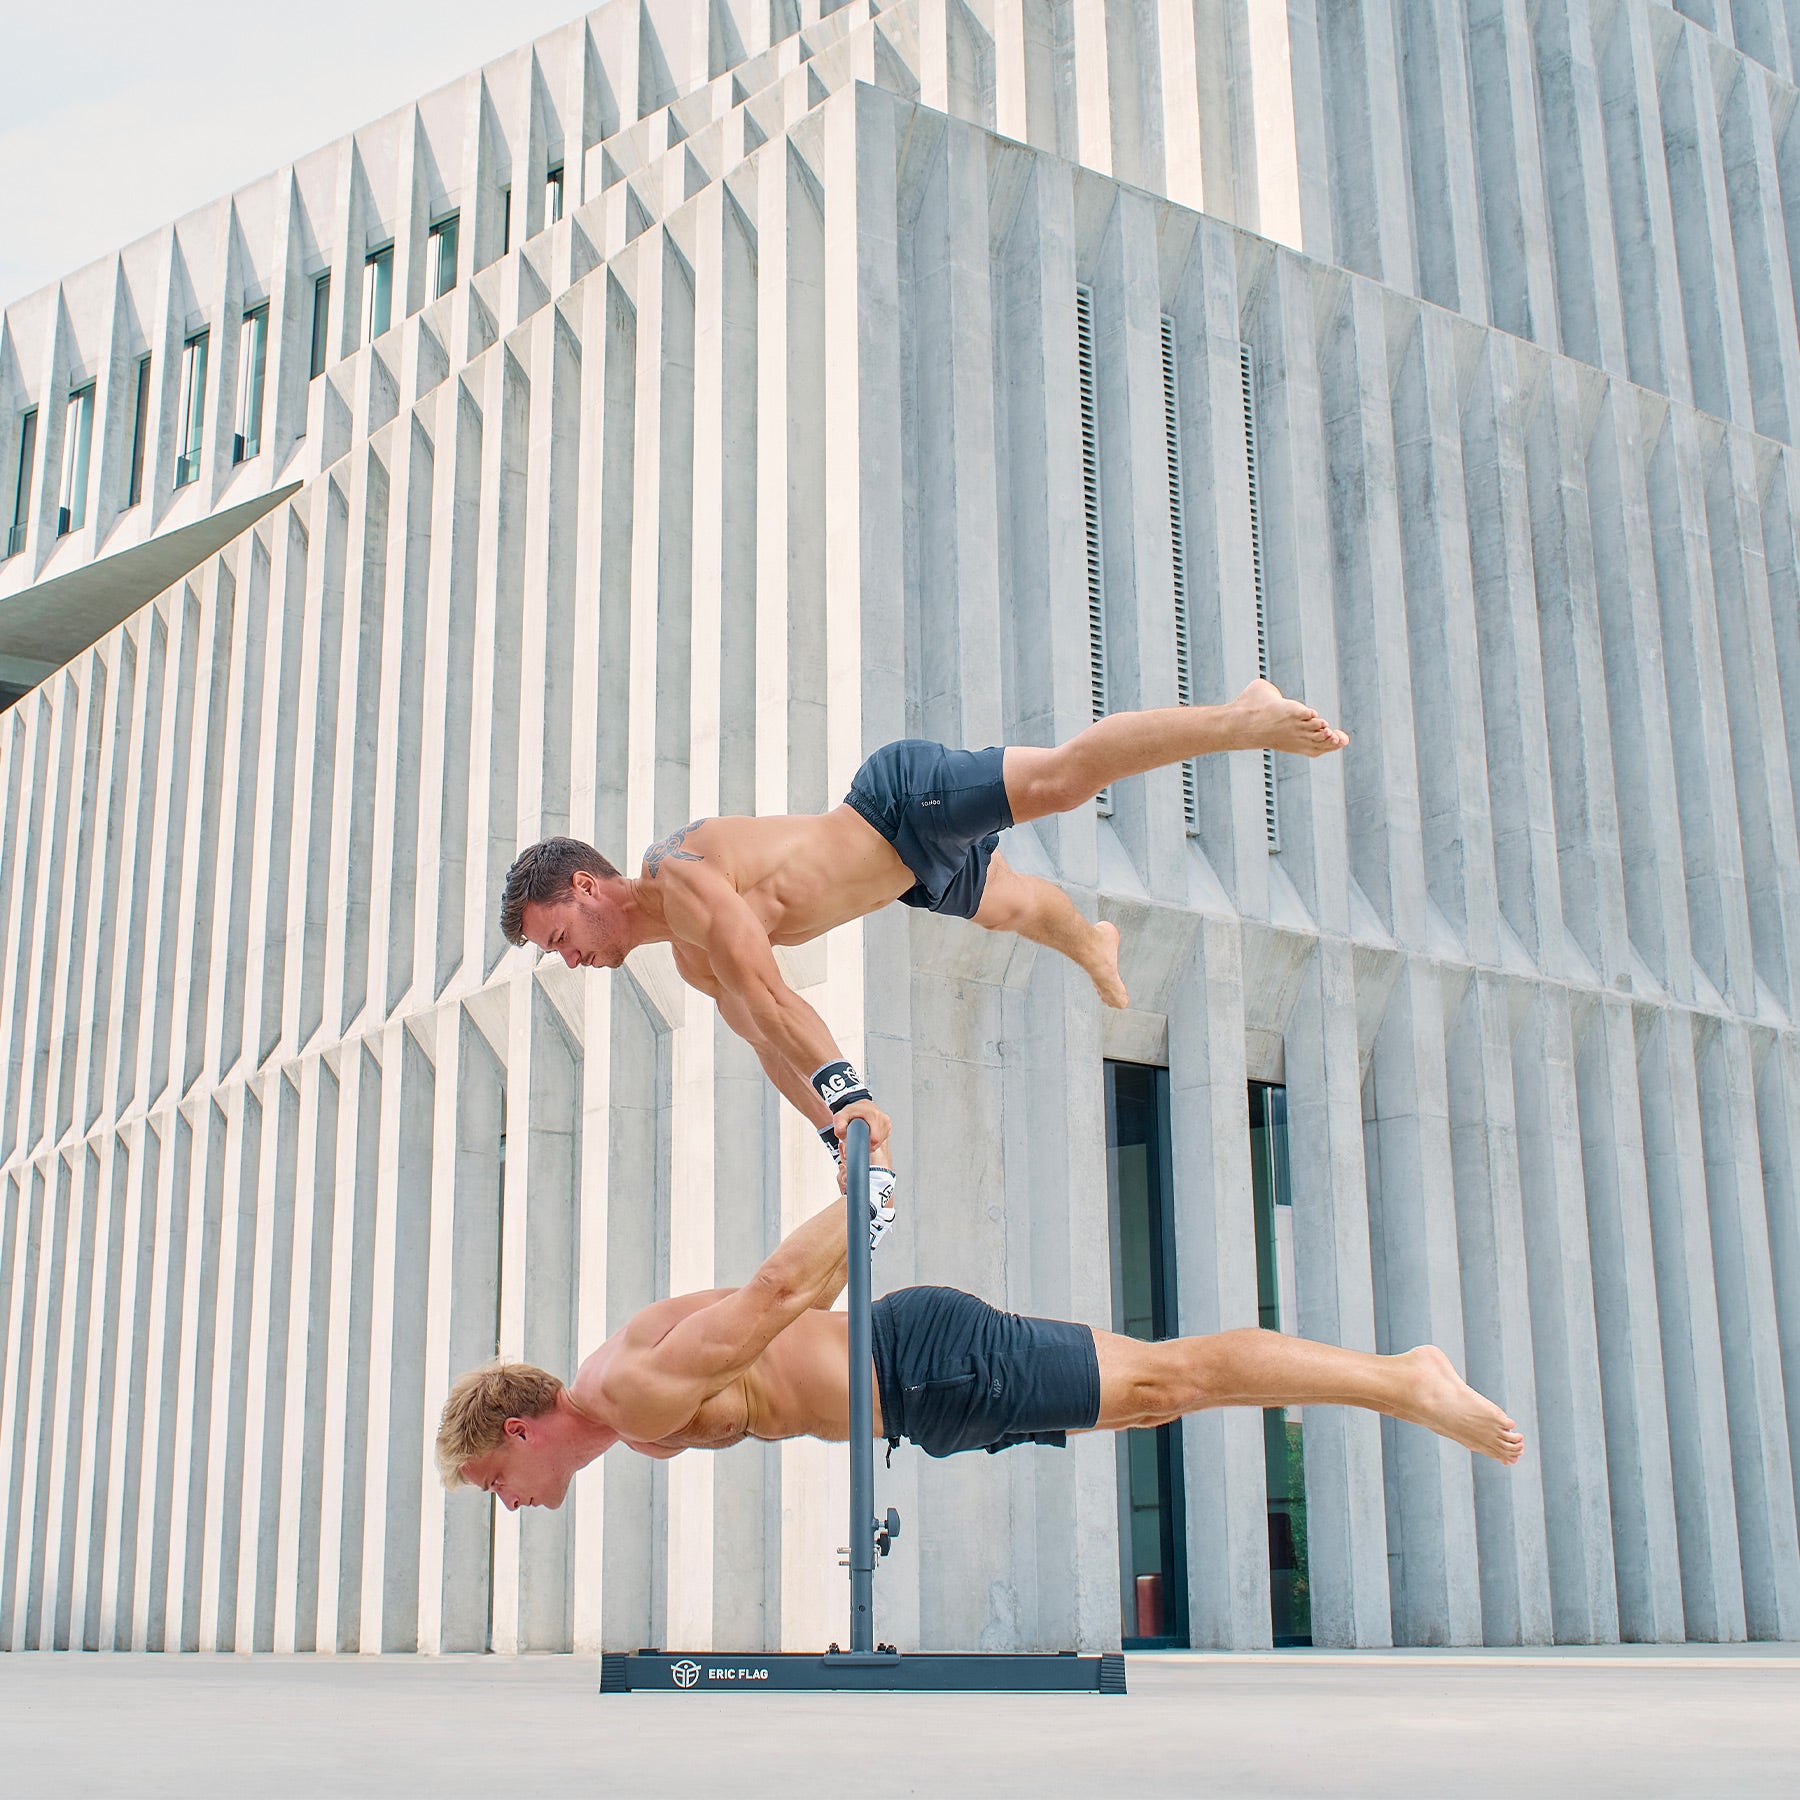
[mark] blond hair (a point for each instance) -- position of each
(475, 1414)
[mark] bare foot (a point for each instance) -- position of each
(1102, 965)
(1274, 722)
(1443, 1402)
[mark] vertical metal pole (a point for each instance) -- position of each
(862, 1411)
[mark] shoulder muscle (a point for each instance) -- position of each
(675, 848)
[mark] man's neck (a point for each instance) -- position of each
(587, 1437)
(641, 912)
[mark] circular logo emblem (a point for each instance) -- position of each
(686, 1673)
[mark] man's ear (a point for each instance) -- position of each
(518, 1428)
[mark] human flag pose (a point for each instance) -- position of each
(949, 1372)
(920, 825)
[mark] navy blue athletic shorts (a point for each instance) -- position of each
(943, 811)
(957, 1374)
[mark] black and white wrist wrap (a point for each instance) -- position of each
(881, 1203)
(838, 1084)
(881, 1188)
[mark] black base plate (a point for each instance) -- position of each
(704, 1671)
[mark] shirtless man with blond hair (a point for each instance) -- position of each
(920, 825)
(770, 1360)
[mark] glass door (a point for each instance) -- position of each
(1152, 1542)
(1284, 1462)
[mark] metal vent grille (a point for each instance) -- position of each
(1184, 671)
(1247, 371)
(1090, 498)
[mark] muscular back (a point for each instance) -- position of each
(800, 873)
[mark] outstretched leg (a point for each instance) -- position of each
(1041, 782)
(1041, 911)
(1149, 1384)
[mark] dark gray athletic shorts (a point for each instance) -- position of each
(957, 1374)
(943, 811)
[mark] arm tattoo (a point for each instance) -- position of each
(670, 850)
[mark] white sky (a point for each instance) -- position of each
(117, 116)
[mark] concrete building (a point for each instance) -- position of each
(659, 419)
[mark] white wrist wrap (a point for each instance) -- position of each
(881, 1204)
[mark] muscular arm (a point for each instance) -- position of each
(705, 910)
(788, 1081)
(660, 1379)
(709, 916)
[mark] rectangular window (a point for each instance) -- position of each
(1152, 1534)
(1090, 496)
(378, 283)
(253, 356)
(1247, 372)
(15, 537)
(140, 432)
(441, 243)
(321, 325)
(78, 442)
(553, 194)
(1284, 1462)
(505, 220)
(192, 416)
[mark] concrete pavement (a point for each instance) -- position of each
(1691, 1720)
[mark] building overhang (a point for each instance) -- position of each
(46, 626)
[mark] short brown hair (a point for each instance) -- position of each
(475, 1414)
(540, 874)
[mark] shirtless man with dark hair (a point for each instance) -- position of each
(920, 825)
(770, 1360)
